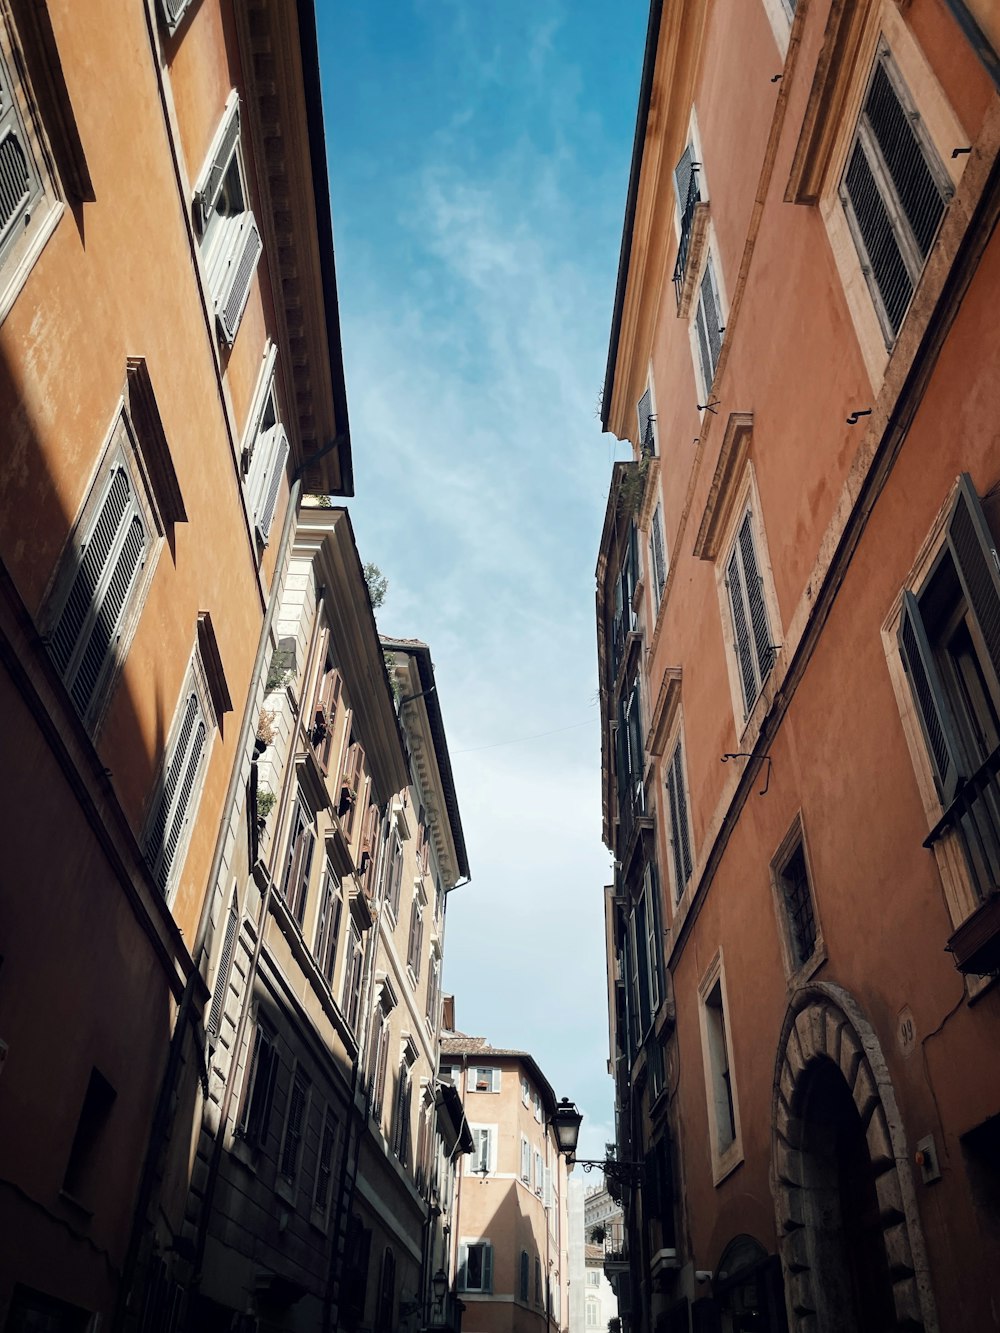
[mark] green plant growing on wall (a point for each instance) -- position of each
(632, 487)
(378, 584)
(266, 801)
(390, 671)
(279, 672)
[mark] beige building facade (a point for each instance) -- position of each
(510, 1240)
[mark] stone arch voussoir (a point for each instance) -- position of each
(823, 1021)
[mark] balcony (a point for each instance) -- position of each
(973, 819)
(694, 227)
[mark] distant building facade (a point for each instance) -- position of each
(800, 683)
(510, 1239)
(607, 1275)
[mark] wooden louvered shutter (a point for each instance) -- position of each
(975, 555)
(652, 941)
(894, 191)
(931, 702)
(657, 552)
(223, 970)
(741, 631)
(679, 816)
(713, 319)
(243, 250)
(755, 599)
(109, 559)
(293, 1127)
(463, 1267)
(20, 181)
(487, 1266)
(352, 781)
(324, 1164)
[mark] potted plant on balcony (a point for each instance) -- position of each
(598, 1235)
(265, 732)
(348, 797)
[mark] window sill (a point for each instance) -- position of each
(723, 1166)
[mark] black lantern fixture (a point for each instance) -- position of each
(439, 1285)
(566, 1123)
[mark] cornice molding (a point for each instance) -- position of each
(725, 483)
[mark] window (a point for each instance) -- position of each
(295, 1121)
(525, 1276)
(751, 631)
(680, 828)
(258, 1091)
(525, 1091)
(447, 1073)
(27, 198)
(536, 1100)
(894, 191)
(657, 555)
(539, 1181)
(401, 1115)
(380, 1050)
(173, 12)
(98, 591)
(331, 907)
(351, 787)
(416, 938)
(798, 903)
(629, 758)
(394, 875)
(723, 1116)
(475, 1266)
(329, 694)
(538, 1281)
(525, 1160)
(179, 785)
(230, 239)
(298, 863)
(479, 1079)
(625, 621)
(593, 1277)
(263, 459)
(644, 413)
(708, 326)
(949, 644)
(223, 970)
(687, 190)
(433, 988)
(644, 950)
(593, 1309)
(483, 1158)
(386, 1294)
(324, 1164)
(353, 967)
(81, 1175)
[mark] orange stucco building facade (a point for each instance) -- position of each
(797, 588)
(170, 382)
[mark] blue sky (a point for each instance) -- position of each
(479, 154)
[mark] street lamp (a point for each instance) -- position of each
(439, 1285)
(566, 1123)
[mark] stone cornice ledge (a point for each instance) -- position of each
(725, 483)
(664, 711)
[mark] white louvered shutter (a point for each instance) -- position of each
(174, 806)
(487, 1266)
(680, 841)
(20, 181)
(463, 1267)
(657, 552)
(683, 174)
(242, 249)
(173, 12)
(709, 320)
(222, 972)
(207, 194)
(644, 412)
(276, 471)
(109, 559)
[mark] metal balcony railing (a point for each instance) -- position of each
(687, 227)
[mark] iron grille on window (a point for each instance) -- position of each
(689, 202)
(752, 634)
(799, 907)
(894, 193)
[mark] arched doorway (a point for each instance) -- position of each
(749, 1290)
(849, 1233)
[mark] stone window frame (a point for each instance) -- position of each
(883, 25)
(724, 1160)
(796, 974)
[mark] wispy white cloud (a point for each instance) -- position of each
(476, 306)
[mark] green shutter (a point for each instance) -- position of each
(975, 554)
